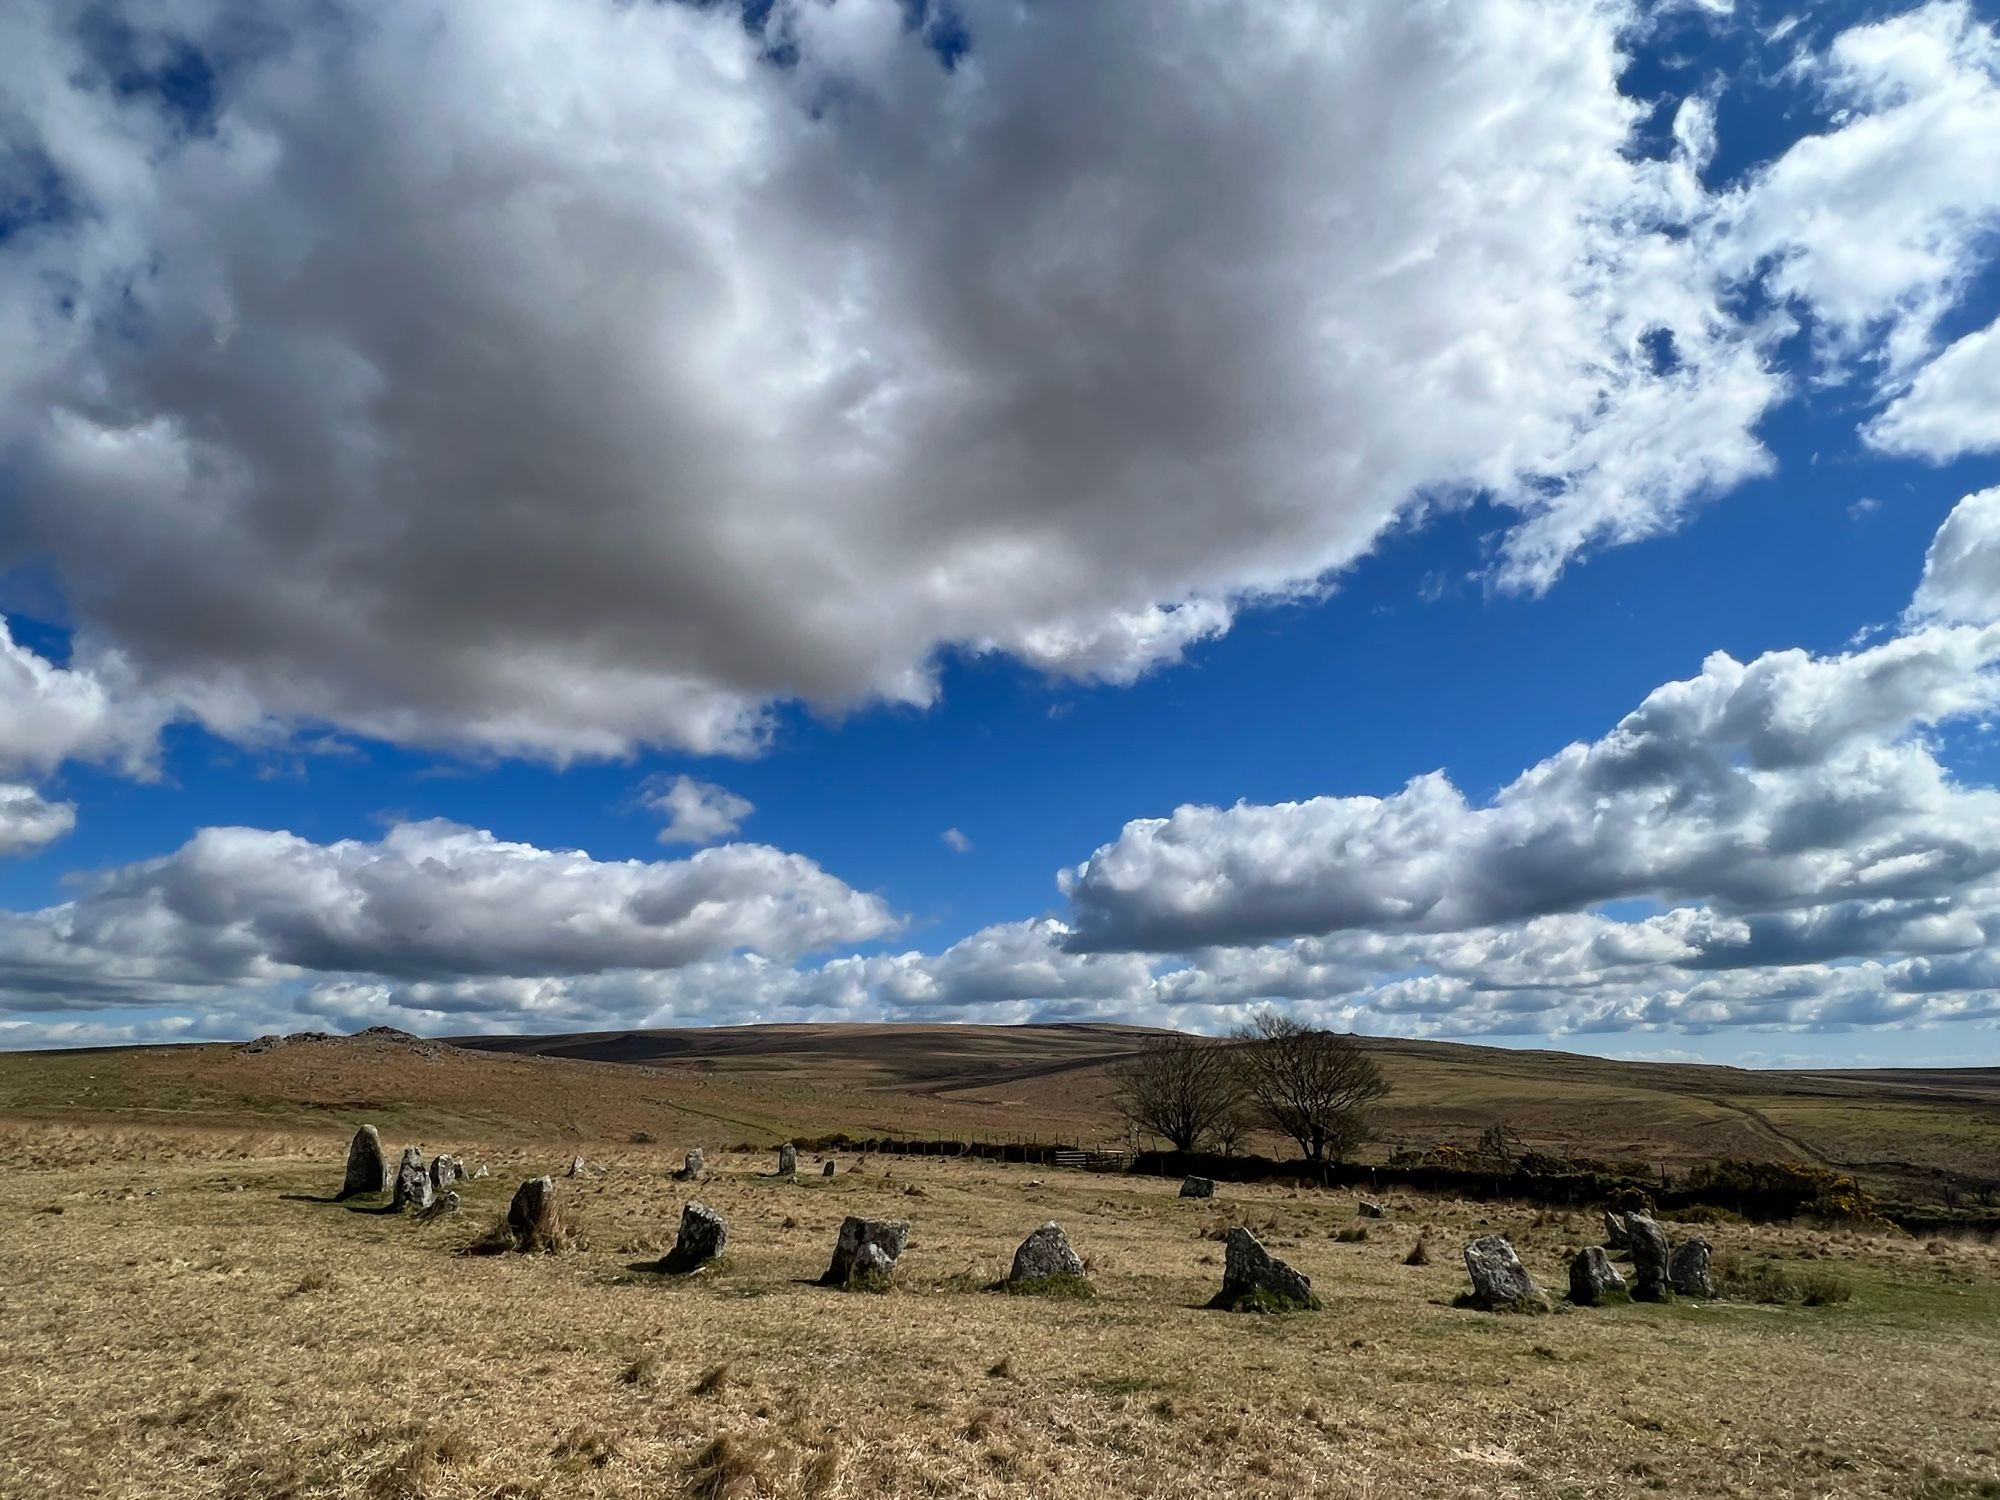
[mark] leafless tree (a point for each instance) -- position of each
(1179, 1087)
(1312, 1085)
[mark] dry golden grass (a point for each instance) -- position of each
(198, 1320)
(765, 1083)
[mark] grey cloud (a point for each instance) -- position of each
(687, 382)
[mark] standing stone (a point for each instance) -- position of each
(413, 1181)
(702, 1238)
(578, 1166)
(866, 1253)
(827, 1170)
(1649, 1258)
(1591, 1275)
(531, 1217)
(1043, 1254)
(444, 1207)
(1198, 1187)
(1499, 1280)
(1687, 1268)
(1255, 1280)
(1615, 1236)
(1370, 1209)
(691, 1168)
(367, 1167)
(788, 1160)
(446, 1170)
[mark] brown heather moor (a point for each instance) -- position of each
(186, 1314)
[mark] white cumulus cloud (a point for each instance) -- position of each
(697, 812)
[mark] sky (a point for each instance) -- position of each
(1449, 518)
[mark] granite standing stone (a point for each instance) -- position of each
(1649, 1258)
(1370, 1209)
(692, 1167)
(788, 1160)
(702, 1238)
(1687, 1268)
(531, 1216)
(367, 1167)
(1255, 1280)
(1043, 1254)
(413, 1181)
(1499, 1280)
(1615, 1236)
(1198, 1187)
(866, 1251)
(1591, 1276)
(827, 1170)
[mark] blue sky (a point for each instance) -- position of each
(823, 429)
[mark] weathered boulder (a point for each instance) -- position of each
(1255, 1280)
(446, 1170)
(702, 1238)
(1043, 1254)
(1370, 1209)
(1591, 1276)
(531, 1217)
(367, 1167)
(1687, 1268)
(866, 1252)
(827, 1170)
(788, 1160)
(1198, 1187)
(413, 1181)
(1615, 1235)
(1499, 1281)
(692, 1167)
(1649, 1258)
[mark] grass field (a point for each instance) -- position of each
(1904, 1133)
(188, 1315)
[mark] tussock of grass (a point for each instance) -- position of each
(714, 1379)
(1420, 1253)
(1767, 1281)
(643, 1370)
(1352, 1234)
(1262, 1300)
(416, 1471)
(1078, 1288)
(727, 1468)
